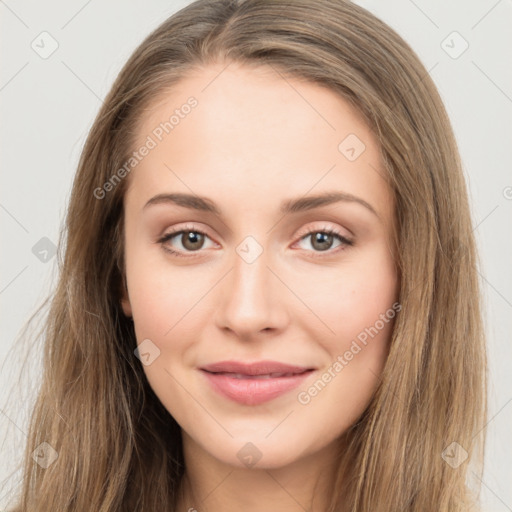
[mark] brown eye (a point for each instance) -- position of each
(184, 242)
(192, 240)
(324, 241)
(321, 241)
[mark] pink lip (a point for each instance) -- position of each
(249, 389)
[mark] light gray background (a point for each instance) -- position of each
(48, 105)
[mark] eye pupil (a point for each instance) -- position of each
(192, 240)
(321, 239)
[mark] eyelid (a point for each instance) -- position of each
(185, 227)
(180, 229)
(325, 227)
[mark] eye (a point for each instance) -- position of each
(191, 239)
(322, 240)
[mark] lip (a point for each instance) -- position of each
(254, 383)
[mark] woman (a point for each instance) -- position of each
(268, 297)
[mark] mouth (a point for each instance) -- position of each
(255, 368)
(254, 383)
(263, 376)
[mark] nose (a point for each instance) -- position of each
(252, 299)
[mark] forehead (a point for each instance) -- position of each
(256, 133)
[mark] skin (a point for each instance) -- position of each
(253, 141)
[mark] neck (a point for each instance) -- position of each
(209, 485)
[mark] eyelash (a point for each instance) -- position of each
(191, 229)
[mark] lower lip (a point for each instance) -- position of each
(254, 391)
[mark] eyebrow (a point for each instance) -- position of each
(288, 206)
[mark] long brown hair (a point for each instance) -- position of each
(118, 447)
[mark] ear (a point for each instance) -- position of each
(125, 299)
(127, 308)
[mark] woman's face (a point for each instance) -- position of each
(261, 272)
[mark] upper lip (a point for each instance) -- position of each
(255, 368)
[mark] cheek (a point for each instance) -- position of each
(169, 306)
(355, 295)
(162, 306)
(161, 296)
(359, 307)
